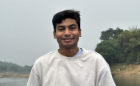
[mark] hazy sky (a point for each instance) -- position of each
(26, 30)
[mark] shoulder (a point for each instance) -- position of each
(43, 62)
(96, 58)
(46, 57)
(92, 54)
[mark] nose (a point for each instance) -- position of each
(67, 33)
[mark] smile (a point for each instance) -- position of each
(67, 40)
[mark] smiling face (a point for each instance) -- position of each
(67, 33)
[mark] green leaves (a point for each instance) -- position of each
(110, 33)
(120, 46)
(108, 50)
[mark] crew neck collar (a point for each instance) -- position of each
(66, 57)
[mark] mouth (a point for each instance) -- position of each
(67, 40)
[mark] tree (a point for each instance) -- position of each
(110, 33)
(108, 49)
(11, 67)
(129, 42)
(120, 46)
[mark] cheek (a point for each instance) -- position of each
(77, 34)
(58, 40)
(58, 35)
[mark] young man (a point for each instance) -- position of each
(70, 65)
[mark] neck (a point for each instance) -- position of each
(68, 52)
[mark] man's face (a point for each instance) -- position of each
(67, 33)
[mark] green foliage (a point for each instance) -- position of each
(138, 57)
(122, 47)
(108, 50)
(110, 33)
(129, 41)
(11, 67)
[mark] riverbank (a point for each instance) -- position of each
(13, 75)
(117, 70)
(16, 76)
(125, 70)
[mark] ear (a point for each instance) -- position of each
(80, 33)
(54, 34)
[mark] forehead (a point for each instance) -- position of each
(67, 22)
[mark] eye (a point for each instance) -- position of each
(72, 27)
(61, 28)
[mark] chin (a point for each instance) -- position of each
(69, 46)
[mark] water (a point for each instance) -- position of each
(13, 81)
(120, 81)
(127, 81)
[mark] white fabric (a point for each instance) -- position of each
(87, 69)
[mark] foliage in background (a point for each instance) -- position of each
(11, 67)
(110, 33)
(124, 46)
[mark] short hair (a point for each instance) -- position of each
(62, 15)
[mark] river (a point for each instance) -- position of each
(120, 81)
(13, 81)
(127, 81)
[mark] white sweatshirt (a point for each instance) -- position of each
(87, 69)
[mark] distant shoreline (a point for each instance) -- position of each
(117, 70)
(15, 76)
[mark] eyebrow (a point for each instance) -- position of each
(60, 26)
(68, 26)
(72, 25)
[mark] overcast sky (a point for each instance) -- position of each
(26, 30)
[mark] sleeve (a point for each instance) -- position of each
(105, 78)
(34, 79)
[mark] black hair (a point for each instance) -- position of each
(62, 15)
